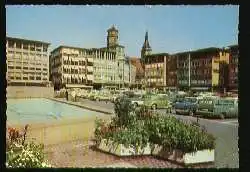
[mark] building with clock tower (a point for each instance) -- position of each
(112, 38)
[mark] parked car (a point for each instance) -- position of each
(157, 101)
(137, 100)
(218, 108)
(102, 96)
(186, 106)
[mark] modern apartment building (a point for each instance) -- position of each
(27, 62)
(200, 69)
(233, 67)
(71, 67)
(160, 71)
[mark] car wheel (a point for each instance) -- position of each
(154, 106)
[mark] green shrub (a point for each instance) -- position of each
(123, 108)
(135, 135)
(137, 127)
(173, 133)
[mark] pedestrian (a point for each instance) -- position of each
(67, 95)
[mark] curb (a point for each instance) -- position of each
(82, 106)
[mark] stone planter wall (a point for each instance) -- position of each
(201, 156)
(121, 150)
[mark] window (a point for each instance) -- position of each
(25, 78)
(11, 44)
(38, 78)
(18, 67)
(45, 49)
(18, 45)
(18, 78)
(25, 46)
(32, 47)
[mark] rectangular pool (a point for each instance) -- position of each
(40, 110)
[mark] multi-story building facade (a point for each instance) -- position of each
(139, 72)
(106, 66)
(160, 71)
(27, 62)
(71, 67)
(200, 69)
(118, 67)
(132, 74)
(233, 67)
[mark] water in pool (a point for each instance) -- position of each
(42, 110)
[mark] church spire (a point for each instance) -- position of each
(146, 49)
(146, 36)
(146, 42)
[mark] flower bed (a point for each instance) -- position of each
(133, 130)
(22, 154)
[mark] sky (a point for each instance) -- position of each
(171, 29)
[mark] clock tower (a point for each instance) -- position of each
(112, 38)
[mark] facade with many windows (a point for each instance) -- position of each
(27, 62)
(97, 67)
(71, 66)
(233, 67)
(200, 69)
(139, 72)
(105, 66)
(160, 71)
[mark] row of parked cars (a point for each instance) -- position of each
(210, 107)
(206, 105)
(202, 104)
